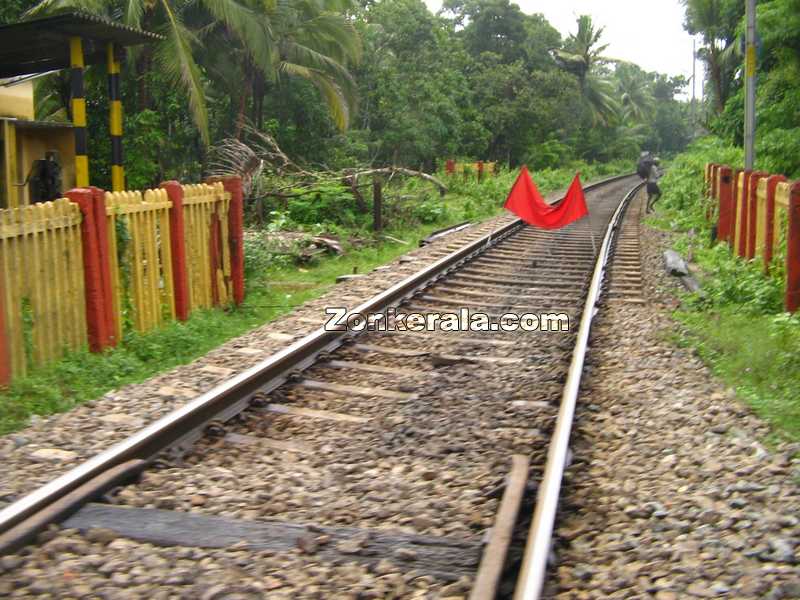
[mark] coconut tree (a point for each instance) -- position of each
(715, 21)
(311, 40)
(316, 42)
(304, 38)
(633, 88)
(582, 51)
(582, 55)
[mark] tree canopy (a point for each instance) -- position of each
(338, 83)
(721, 26)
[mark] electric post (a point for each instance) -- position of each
(694, 78)
(750, 86)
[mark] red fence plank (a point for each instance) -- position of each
(793, 251)
(96, 320)
(769, 234)
(180, 276)
(725, 227)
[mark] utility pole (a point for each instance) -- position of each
(694, 78)
(750, 86)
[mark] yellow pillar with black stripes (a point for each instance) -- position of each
(115, 121)
(78, 111)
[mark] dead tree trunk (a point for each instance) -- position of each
(377, 204)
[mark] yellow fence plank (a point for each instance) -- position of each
(761, 216)
(737, 213)
(781, 218)
(42, 259)
(142, 276)
(203, 203)
(41, 255)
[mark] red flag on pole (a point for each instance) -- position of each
(527, 203)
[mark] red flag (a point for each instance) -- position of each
(527, 203)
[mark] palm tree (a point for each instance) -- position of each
(298, 37)
(601, 99)
(582, 55)
(719, 52)
(317, 43)
(633, 87)
(311, 40)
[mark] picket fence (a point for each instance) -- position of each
(758, 215)
(41, 284)
(84, 269)
(452, 167)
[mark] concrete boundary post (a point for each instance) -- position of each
(793, 250)
(725, 203)
(103, 249)
(96, 320)
(180, 276)
(233, 185)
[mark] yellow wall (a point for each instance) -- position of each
(32, 143)
(26, 144)
(17, 100)
(8, 164)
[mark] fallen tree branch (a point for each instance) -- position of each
(403, 171)
(260, 161)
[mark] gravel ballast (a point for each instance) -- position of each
(425, 457)
(54, 444)
(673, 492)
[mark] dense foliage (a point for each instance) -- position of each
(736, 321)
(338, 83)
(721, 25)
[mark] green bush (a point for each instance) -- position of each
(431, 211)
(548, 155)
(683, 183)
(778, 151)
(731, 281)
(736, 321)
(330, 203)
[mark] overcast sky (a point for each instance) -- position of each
(649, 33)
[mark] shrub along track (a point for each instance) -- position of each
(368, 466)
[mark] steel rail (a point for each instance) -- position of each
(534, 566)
(184, 425)
(180, 428)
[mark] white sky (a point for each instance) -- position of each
(649, 33)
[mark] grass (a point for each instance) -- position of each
(758, 355)
(274, 288)
(736, 323)
(81, 376)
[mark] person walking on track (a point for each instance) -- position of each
(653, 191)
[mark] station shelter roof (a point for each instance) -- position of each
(42, 45)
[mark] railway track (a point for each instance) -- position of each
(388, 463)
